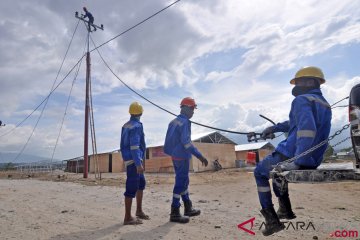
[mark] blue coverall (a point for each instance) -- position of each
(309, 124)
(133, 148)
(90, 16)
(179, 146)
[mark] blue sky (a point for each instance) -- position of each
(235, 58)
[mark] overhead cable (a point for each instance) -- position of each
(139, 23)
(66, 107)
(47, 99)
(21, 122)
(156, 105)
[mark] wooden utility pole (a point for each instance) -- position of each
(89, 24)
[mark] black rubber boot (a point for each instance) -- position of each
(189, 210)
(272, 222)
(175, 216)
(285, 211)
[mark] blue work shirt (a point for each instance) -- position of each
(132, 143)
(178, 139)
(309, 124)
(90, 16)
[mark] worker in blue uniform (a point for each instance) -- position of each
(90, 17)
(309, 124)
(179, 146)
(133, 148)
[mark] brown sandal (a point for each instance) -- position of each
(143, 216)
(133, 221)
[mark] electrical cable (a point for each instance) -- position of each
(67, 104)
(20, 123)
(139, 23)
(47, 99)
(154, 104)
(339, 101)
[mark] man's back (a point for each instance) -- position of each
(131, 134)
(310, 123)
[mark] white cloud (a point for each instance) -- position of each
(159, 60)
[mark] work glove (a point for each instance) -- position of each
(288, 166)
(203, 161)
(268, 133)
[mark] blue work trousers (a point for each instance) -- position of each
(181, 168)
(134, 181)
(262, 175)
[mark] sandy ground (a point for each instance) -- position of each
(69, 207)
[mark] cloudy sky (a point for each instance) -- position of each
(234, 57)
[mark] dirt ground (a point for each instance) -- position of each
(66, 206)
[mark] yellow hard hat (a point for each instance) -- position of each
(135, 108)
(309, 72)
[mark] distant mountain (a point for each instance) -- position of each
(6, 157)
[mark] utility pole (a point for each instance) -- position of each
(90, 24)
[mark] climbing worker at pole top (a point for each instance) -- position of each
(90, 17)
(133, 148)
(179, 146)
(309, 124)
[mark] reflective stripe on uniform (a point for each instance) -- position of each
(128, 125)
(176, 195)
(263, 189)
(314, 99)
(128, 163)
(306, 133)
(187, 145)
(177, 122)
(134, 147)
(184, 192)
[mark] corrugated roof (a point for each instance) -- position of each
(198, 136)
(251, 146)
(212, 137)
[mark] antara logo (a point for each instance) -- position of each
(345, 234)
(241, 226)
(288, 225)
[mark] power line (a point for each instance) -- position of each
(47, 99)
(141, 22)
(156, 105)
(67, 104)
(339, 101)
(153, 15)
(20, 123)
